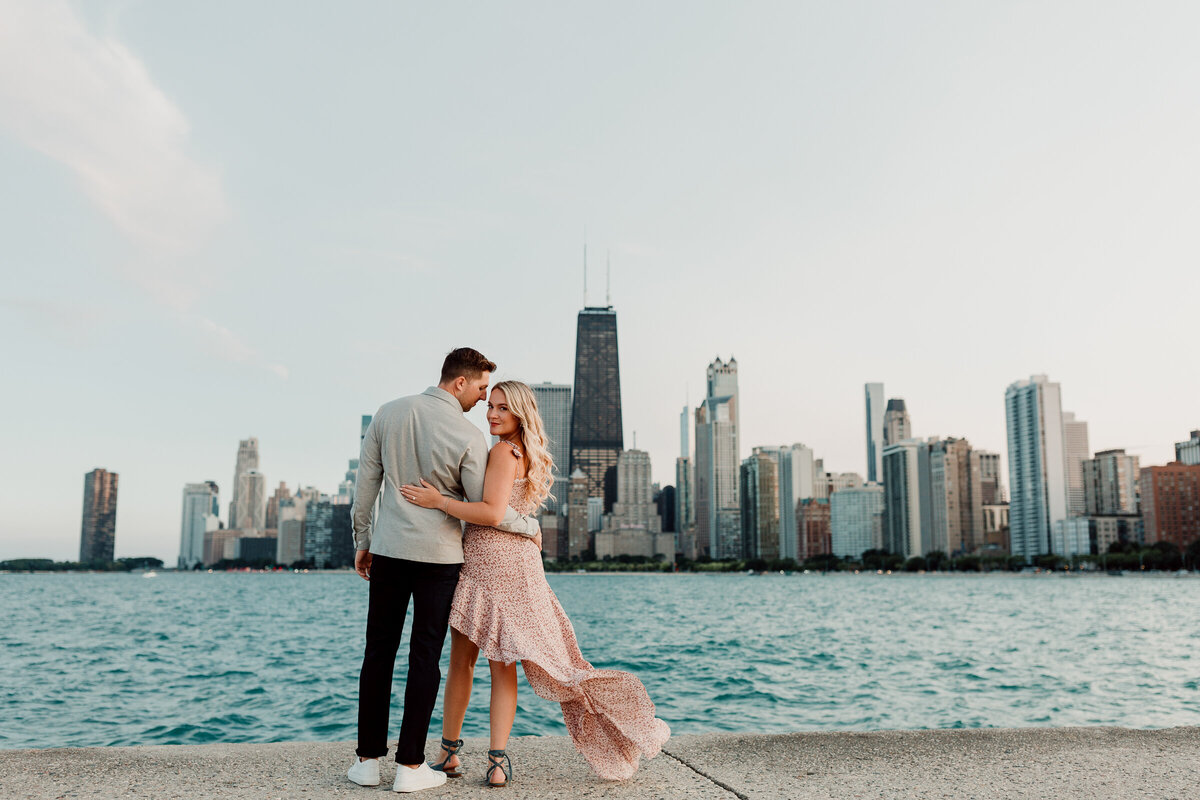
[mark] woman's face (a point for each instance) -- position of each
(501, 421)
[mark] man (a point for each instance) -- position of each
(415, 552)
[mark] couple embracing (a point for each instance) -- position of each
(486, 584)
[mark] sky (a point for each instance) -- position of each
(221, 220)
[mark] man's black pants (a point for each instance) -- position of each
(393, 582)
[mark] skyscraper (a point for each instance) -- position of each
(289, 542)
(664, 500)
(98, 533)
(634, 527)
(578, 538)
(281, 493)
(1111, 483)
(952, 514)
(685, 507)
(1075, 452)
(856, 520)
(798, 481)
(896, 425)
(247, 459)
(812, 522)
(597, 435)
(875, 412)
(1171, 503)
(554, 404)
(722, 381)
(252, 501)
(1188, 453)
(836, 481)
(760, 505)
(328, 536)
(201, 513)
(685, 488)
(907, 521)
(1037, 472)
(986, 491)
(718, 507)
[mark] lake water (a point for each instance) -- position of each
(189, 658)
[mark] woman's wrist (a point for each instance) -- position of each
(444, 506)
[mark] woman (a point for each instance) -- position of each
(504, 608)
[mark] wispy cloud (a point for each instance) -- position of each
(88, 102)
(228, 346)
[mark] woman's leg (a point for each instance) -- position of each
(463, 655)
(503, 708)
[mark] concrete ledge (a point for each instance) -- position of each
(1060, 763)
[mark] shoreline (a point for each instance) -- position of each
(1064, 763)
(1075, 573)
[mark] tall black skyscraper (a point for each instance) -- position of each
(597, 436)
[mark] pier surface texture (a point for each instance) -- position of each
(1059, 763)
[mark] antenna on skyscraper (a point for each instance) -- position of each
(607, 278)
(585, 269)
(635, 440)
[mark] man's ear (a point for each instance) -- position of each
(460, 383)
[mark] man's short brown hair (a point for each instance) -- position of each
(465, 362)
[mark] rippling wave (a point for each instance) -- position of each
(195, 658)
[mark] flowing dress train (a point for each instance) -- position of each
(505, 606)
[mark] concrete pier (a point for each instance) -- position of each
(1059, 763)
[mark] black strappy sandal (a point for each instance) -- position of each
(494, 763)
(451, 746)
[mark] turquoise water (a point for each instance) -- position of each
(190, 658)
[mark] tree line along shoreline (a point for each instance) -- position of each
(1120, 557)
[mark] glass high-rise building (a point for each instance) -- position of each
(952, 514)
(875, 412)
(897, 426)
(760, 505)
(856, 520)
(98, 533)
(907, 521)
(201, 510)
(1111, 483)
(1075, 452)
(247, 459)
(685, 505)
(554, 404)
(597, 435)
(328, 536)
(1037, 471)
(798, 481)
(718, 504)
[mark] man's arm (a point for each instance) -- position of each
(471, 472)
(520, 524)
(366, 485)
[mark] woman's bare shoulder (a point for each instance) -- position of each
(502, 448)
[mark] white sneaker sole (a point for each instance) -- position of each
(356, 781)
(430, 785)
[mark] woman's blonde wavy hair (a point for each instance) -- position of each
(523, 404)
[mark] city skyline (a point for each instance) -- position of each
(671, 479)
(203, 267)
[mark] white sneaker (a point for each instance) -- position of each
(414, 780)
(364, 773)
